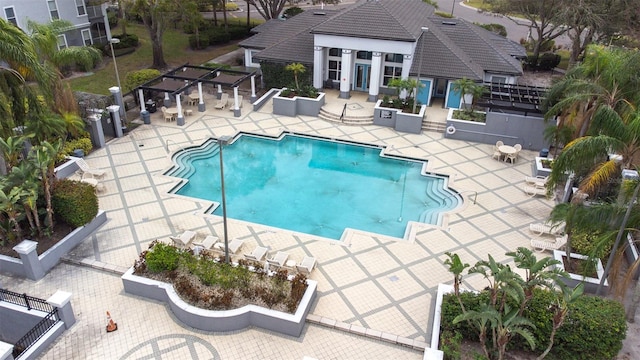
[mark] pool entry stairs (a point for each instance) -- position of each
(185, 157)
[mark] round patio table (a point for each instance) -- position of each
(506, 150)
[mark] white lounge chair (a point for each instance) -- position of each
(542, 244)
(547, 229)
(535, 190)
(184, 239)
(224, 98)
(540, 181)
(207, 243)
(307, 265)
(278, 260)
(93, 182)
(232, 103)
(234, 246)
(86, 169)
(258, 254)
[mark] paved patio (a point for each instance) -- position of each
(381, 286)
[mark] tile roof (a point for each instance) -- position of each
(385, 19)
(469, 50)
(288, 40)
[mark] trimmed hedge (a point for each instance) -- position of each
(134, 79)
(274, 75)
(594, 325)
(82, 143)
(74, 202)
(162, 257)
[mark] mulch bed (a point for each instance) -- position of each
(44, 242)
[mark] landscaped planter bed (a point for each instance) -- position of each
(297, 105)
(590, 283)
(397, 119)
(225, 320)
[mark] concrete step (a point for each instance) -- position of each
(347, 120)
(434, 126)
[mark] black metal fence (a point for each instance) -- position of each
(35, 333)
(25, 300)
(40, 328)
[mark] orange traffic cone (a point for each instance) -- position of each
(111, 326)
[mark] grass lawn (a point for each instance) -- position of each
(479, 4)
(176, 52)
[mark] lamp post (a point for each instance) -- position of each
(423, 29)
(453, 6)
(223, 140)
(115, 66)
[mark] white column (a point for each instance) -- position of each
(236, 104)
(167, 100)
(180, 119)
(318, 66)
(201, 106)
(254, 97)
(407, 60)
(374, 81)
(141, 96)
(345, 75)
(219, 95)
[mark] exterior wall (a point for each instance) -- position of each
(38, 11)
(510, 128)
(17, 321)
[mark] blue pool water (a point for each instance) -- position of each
(314, 186)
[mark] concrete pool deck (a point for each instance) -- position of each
(377, 285)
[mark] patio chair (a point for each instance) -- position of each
(307, 265)
(547, 229)
(257, 254)
(535, 190)
(184, 239)
(496, 153)
(224, 98)
(86, 169)
(513, 157)
(540, 181)
(207, 243)
(278, 260)
(167, 117)
(540, 244)
(234, 246)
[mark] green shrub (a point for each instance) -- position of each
(548, 61)
(498, 29)
(136, 78)
(291, 12)
(126, 41)
(198, 43)
(593, 326)
(162, 257)
(443, 14)
(213, 65)
(82, 143)
(231, 6)
(74, 202)
(450, 343)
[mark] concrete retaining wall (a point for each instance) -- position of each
(227, 320)
(510, 128)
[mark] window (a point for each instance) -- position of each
(53, 9)
(391, 72)
(86, 37)
(62, 42)
(335, 52)
(81, 9)
(365, 55)
(10, 14)
(335, 67)
(498, 79)
(395, 58)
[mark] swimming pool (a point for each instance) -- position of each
(314, 185)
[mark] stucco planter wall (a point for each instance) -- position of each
(395, 118)
(510, 128)
(67, 169)
(227, 320)
(540, 170)
(43, 263)
(590, 283)
(297, 105)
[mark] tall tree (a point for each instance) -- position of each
(545, 17)
(271, 9)
(154, 15)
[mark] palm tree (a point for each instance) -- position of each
(9, 205)
(296, 68)
(466, 86)
(11, 149)
(44, 157)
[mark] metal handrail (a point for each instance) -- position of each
(25, 300)
(36, 332)
(344, 112)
